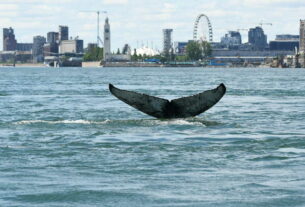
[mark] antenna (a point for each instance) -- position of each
(98, 38)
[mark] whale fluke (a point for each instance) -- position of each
(164, 109)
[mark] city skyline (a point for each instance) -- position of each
(144, 21)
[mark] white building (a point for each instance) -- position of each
(146, 51)
(71, 46)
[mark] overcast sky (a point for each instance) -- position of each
(141, 21)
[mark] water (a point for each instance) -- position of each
(65, 141)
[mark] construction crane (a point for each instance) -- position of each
(263, 23)
(98, 38)
(238, 30)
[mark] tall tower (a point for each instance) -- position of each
(107, 45)
(302, 43)
(167, 40)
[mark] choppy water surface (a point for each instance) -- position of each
(65, 141)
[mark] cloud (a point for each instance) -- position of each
(115, 1)
(134, 21)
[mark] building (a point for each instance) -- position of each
(24, 47)
(107, 41)
(12, 57)
(167, 40)
(50, 49)
(71, 46)
(9, 41)
(108, 56)
(63, 33)
(52, 37)
(180, 48)
(231, 39)
(91, 46)
(257, 38)
(302, 43)
(285, 42)
(38, 43)
(146, 51)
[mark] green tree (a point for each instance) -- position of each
(118, 51)
(134, 57)
(194, 51)
(206, 49)
(94, 54)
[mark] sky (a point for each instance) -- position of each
(140, 22)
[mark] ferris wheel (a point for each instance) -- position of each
(203, 29)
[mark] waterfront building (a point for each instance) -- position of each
(38, 43)
(63, 33)
(167, 40)
(50, 49)
(12, 57)
(24, 47)
(52, 37)
(231, 39)
(108, 56)
(180, 48)
(146, 51)
(285, 42)
(257, 38)
(9, 41)
(107, 41)
(302, 43)
(91, 46)
(71, 46)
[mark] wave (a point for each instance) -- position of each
(292, 150)
(26, 122)
(138, 122)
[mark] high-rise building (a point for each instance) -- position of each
(9, 41)
(38, 43)
(257, 38)
(302, 43)
(107, 41)
(63, 33)
(167, 40)
(231, 39)
(52, 37)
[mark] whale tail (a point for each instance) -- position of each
(164, 109)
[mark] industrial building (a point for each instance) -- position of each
(38, 43)
(53, 37)
(24, 47)
(63, 33)
(167, 41)
(71, 46)
(9, 40)
(285, 42)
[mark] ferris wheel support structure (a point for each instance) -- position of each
(195, 33)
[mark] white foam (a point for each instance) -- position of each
(181, 122)
(25, 122)
(293, 150)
